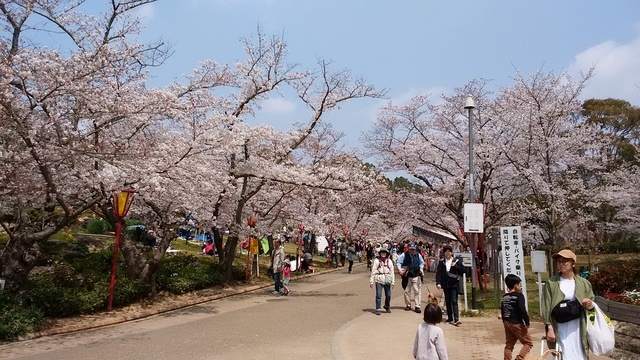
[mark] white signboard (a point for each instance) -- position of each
(538, 262)
(465, 256)
(513, 256)
(473, 218)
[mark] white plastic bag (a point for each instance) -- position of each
(600, 332)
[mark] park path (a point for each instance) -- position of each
(327, 316)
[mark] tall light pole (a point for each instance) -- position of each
(470, 105)
(121, 204)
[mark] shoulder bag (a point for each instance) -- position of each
(566, 310)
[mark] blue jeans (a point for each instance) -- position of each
(334, 260)
(276, 279)
(387, 295)
(451, 300)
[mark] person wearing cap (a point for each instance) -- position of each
(561, 291)
(448, 277)
(410, 264)
(383, 277)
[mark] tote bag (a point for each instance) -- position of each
(600, 332)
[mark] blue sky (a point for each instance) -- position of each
(409, 47)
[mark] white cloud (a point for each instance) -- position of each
(617, 70)
(146, 13)
(278, 106)
(434, 94)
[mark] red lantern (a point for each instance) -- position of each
(301, 227)
(251, 222)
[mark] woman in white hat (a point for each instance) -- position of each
(383, 277)
(564, 299)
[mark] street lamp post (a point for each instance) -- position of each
(470, 105)
(121, 204)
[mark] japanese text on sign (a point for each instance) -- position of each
(512, 255)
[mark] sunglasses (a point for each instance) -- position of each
(563, 261)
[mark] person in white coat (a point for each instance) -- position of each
(383, 277)
(429, 343)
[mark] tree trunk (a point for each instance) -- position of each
(226, 266)
(140, 267)
(16, 262)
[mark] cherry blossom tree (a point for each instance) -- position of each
(430, 143)
(57, 110)
(534, 155)
(81, 123)
(550, 149)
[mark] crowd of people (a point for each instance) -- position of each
(565, 328)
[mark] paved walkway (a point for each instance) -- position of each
(366, 336)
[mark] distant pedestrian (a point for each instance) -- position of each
(370, 255)
(277, 262)
(515, 319)
(342, 248)
(383, 276)
(351, 254)
(333, 249)
(286, 275)
(429, 343)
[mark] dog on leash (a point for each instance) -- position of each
(432, 299)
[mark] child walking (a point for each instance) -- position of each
(515, 318)
(429, 343)
(286, 272)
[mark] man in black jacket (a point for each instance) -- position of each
(448, 276)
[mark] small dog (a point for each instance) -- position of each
(432, 299)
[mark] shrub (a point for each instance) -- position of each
(94, 265)
(127, 291)
(622, 246)
(15, 319)
(64, 291)
(610, 279)
(97, 226)
(180, 274)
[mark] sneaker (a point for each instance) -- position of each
(457, 322)
(449, 322)
(388, 310)
(378, 311)
(275, 292)
(407, 308)
(418, 310)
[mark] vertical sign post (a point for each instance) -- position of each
(512, 255)
(539, 265)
